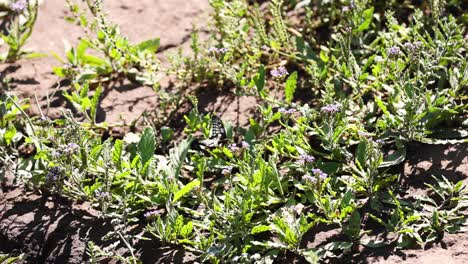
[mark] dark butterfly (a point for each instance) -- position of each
(217, 134)
(217, 128)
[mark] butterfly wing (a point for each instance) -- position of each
(217, 128)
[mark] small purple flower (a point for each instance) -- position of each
(393, 51)
(234, 148)
(151, 215)
(318, 172)
(298, 208)
(285, 111)
(55, 154)
(331, 108)
(380, 141)
(304, 159)
(245, 145)
(218, 50)
(19, 6)
(409, 46)
(279, 72)
(346, 9)
(54, 174)
(309, 179)
(363, 134)
(70, 148)
(102, 195)
(227, 171)
(213, 50)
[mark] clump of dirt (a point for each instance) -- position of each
(47, 229)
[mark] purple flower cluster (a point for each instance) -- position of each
(55, 154)
(19, 6)
(413, 47)
(279, 72)
(234, 148)
(245, 145)
(53, 175)
(285, 111)
(346, 9)
(70, 148)
(319, 173)
(151, 215)
(218, 50)
(393, 51)
(227, 171)
(102, 195)
(380, 141)
(304, 159)
(364, 134)
(309, 179)
(331, 108)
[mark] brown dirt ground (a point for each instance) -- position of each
(53, 230)
(172, 21)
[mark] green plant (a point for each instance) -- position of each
(119, 58)
(20, 17)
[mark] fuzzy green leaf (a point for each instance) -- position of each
(151, 45)
(147, 145)
(117, 154)
(185, 190)
(291, 84)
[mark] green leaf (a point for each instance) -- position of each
(361, 154)
(9, 134)
(372, 243)
(260, 229)
(324, 56)
(117, 154)
(147, 145)
(367, 15)
(186, 230)
(311, 255)
(259, 79)
(95, 103)
(353, 228)
(186, 189)
(381, 105)
(151, 45)
(291, 84)
(395, 158)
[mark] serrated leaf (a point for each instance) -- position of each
(185, 190)
(260, 229)
(361, 154)
(178, 154)
(367, 15)
(259, 79)
(290, 88)
(147, 145)
(395, 158)
(95, 103)
(117, 154)
(151, 45)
